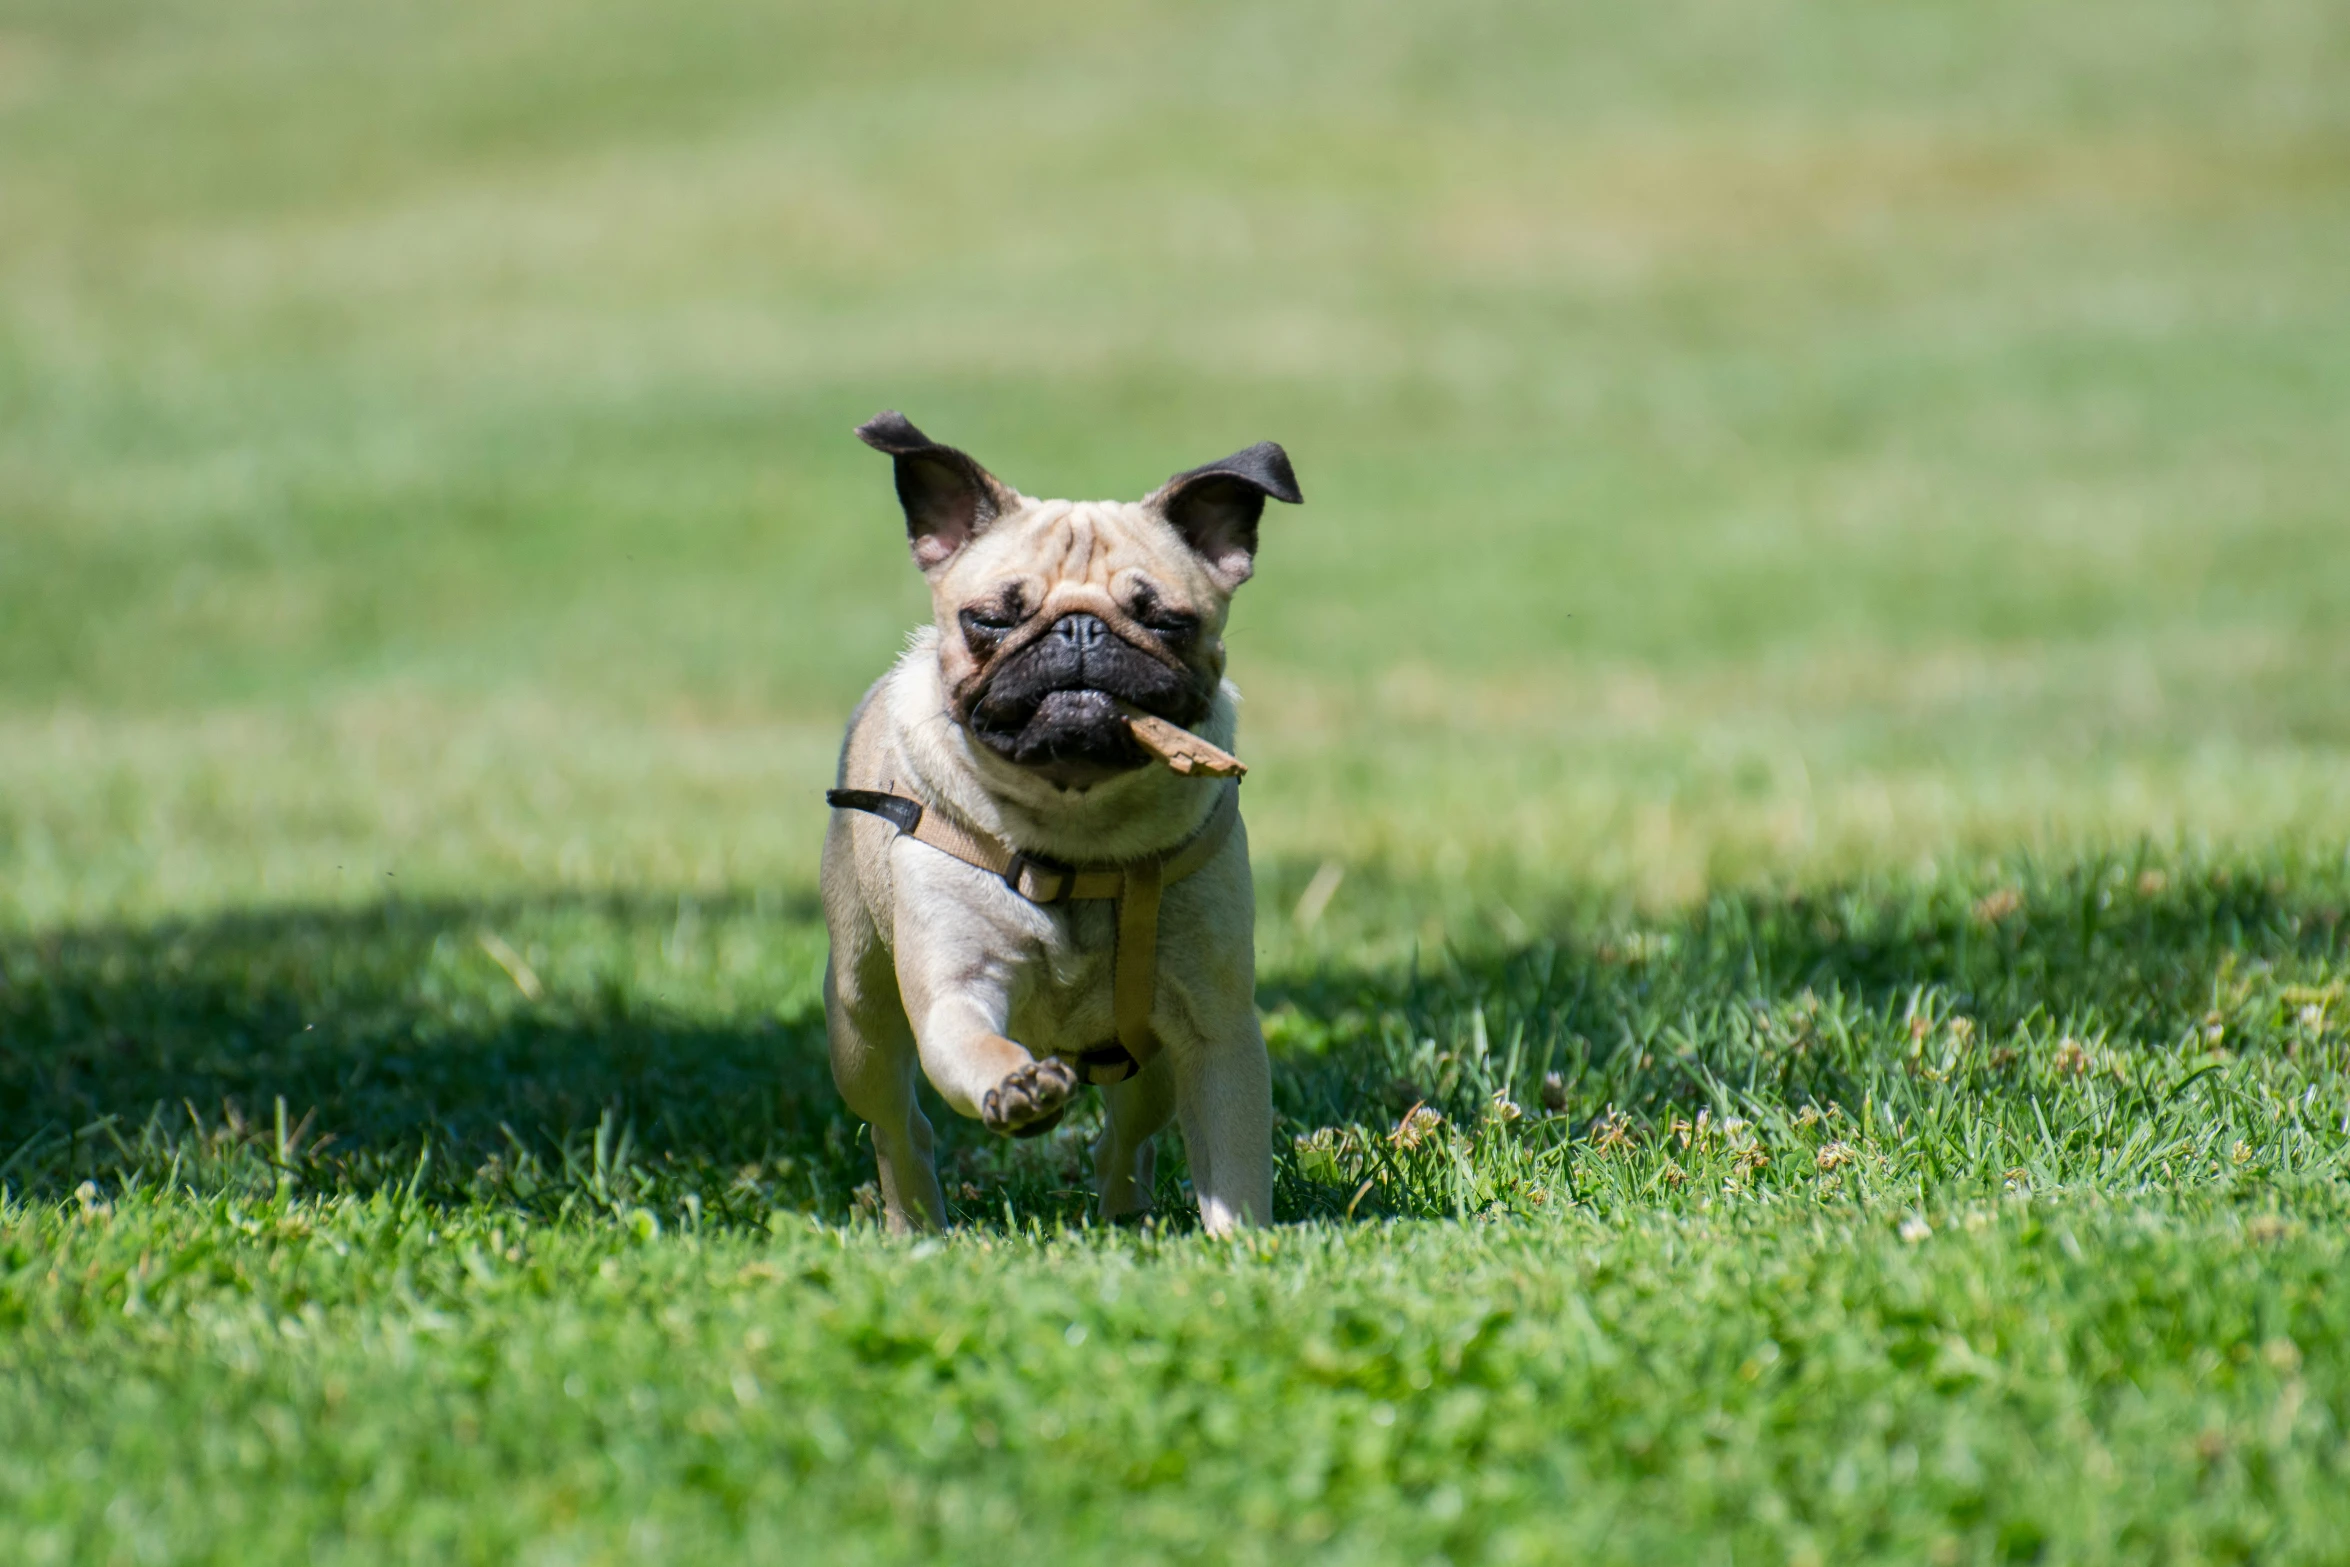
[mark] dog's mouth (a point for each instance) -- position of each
(1053, 706)
(1072, 737)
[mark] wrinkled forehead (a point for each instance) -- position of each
(1084, 542)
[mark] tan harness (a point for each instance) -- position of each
(1135, 886)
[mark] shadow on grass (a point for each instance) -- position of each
(392, 1027)
(602, 1055)
(1934, 1001)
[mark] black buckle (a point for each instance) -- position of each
(1107, 1064)
(903, 814)
(1023, 862)
(1039, 1128)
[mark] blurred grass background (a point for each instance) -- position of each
(1742, 437)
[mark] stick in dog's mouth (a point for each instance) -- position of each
(1180, 749)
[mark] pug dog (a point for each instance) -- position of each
(1020, 896)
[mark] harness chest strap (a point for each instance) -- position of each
(1135, 885)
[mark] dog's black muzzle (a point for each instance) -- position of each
(1054, 703)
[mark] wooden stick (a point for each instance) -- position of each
(1182, 751)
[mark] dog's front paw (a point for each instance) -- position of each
(1030, 1099)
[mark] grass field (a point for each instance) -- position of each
(1816, 661)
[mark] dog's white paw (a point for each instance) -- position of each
(1030, 1099)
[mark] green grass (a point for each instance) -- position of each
(1880, 1222)
(1818, 631)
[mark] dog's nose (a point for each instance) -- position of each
(1081, 631)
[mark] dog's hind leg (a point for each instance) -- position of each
(873, 1062)
(1125, 1156)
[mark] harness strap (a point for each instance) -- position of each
(1135, 885)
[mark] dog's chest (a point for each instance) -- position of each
(1062, 995)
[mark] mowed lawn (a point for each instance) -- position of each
(1800, 777)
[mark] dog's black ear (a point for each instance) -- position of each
(1216, 507)
(949, 498)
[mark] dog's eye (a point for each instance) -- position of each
(1170, 623)
(989, 620)
(1173, 624)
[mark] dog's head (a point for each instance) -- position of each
(1051, 613)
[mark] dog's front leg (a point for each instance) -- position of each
(1224, 1095)
(957, 982)
(985, 1075)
